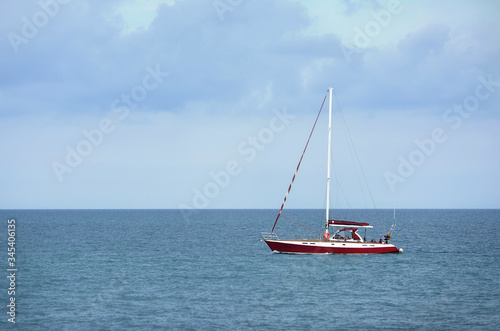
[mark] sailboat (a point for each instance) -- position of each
(344, 238)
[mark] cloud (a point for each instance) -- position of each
(81, 59)
(428, 41)
(84, 58)
(220, 77)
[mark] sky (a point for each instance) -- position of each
(209, 103)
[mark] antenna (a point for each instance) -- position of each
(394, 225)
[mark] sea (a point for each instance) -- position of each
(208, 270)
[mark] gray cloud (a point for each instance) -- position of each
(261, 56)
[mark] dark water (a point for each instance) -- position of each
(160, 269)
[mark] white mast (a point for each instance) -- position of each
(328, 167)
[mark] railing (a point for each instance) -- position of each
(269, 235)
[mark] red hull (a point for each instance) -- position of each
(320, 247)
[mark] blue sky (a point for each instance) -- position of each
(208, 104)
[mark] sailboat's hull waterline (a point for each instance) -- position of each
(298, 246)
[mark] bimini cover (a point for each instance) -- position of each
(350, 223)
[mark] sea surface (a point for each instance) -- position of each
(208, 270)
